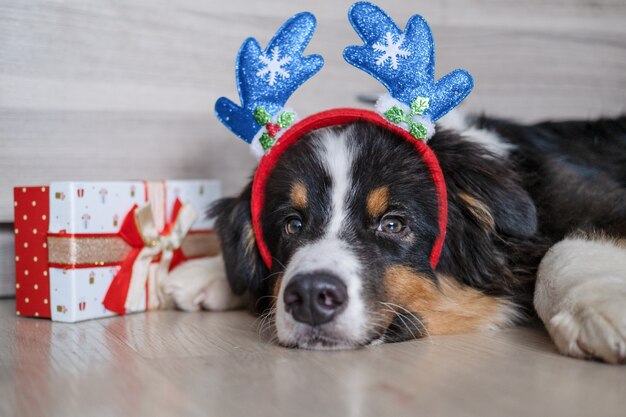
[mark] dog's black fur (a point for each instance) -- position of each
(559, 177)
(575, 172)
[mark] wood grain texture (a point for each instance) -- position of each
(215, 364)
(112, 89)
(7, 261)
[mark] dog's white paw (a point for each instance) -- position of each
(593, 323)
(201, 283)
(581, 297)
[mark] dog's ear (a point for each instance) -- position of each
(487, 188)
(244, 267)
(500, 204)
(513, 209)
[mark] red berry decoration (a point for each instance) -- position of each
(272, 129)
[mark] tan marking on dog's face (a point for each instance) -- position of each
(479, 210)
(299, 196)
(276, 289)
(377, 202)
(449, 308)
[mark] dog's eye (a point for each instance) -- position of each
(391, 225)
(293, 226)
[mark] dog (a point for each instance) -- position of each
(536, 226)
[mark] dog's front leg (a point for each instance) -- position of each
(581, 297)
(200, 283)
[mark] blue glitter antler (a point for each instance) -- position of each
(404, 62)
(267, 78)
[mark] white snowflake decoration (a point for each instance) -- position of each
(391, 50)
(273, 66)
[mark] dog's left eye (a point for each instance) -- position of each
(391, 225)
(293, 225)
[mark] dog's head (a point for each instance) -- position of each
(350, 218)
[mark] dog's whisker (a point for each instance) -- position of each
(411, 314)
(404, 323)
(266, 321)
(273, 274)
(263, 298)
(279, 262)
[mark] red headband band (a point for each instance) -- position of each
(337, 117)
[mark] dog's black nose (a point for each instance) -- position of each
(315, 298)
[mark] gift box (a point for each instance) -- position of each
(85, 250)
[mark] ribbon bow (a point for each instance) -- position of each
(139, 230)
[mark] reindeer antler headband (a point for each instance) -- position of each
(402, 61)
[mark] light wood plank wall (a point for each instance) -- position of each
(7, 256)
(117, 89)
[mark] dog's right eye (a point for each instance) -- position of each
(391, 225)
(293, 226)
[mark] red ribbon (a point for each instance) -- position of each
(115, 298)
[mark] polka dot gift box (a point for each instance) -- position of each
(85, 250)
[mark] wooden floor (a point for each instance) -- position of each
(215, 364)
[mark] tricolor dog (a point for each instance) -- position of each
(362, 228)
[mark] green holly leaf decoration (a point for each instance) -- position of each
(266, 141)
(285, 119)
(262, 116)
(419, 106)
(395, 115)
(417, 130)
